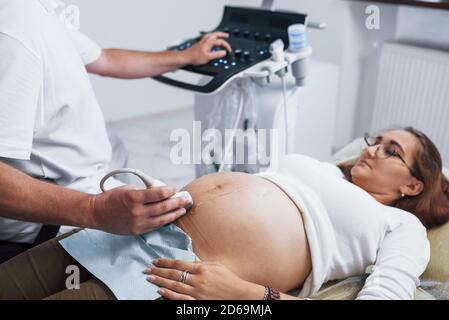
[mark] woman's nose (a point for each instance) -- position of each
(371, 151)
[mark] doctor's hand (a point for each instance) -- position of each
(205, 281)
(126, 210)
(201, 52)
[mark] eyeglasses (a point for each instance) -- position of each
(388, 150)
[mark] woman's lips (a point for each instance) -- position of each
(364, 162)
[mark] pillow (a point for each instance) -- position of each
(438, 267)
(349, 152)
(349, 288)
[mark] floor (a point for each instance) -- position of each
(148, 142)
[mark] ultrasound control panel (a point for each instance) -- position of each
(251, 31)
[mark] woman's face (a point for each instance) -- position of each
(387, 178)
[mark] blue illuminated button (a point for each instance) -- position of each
(181, 48)
(216, 64)
(221, 60)
(225, 61)
(234, 63)
(226, 67)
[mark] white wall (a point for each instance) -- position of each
(413, 25)
(115, 23)
(143, 25)
(428, 27)
(347, 43)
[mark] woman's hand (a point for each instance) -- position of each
(205, 281)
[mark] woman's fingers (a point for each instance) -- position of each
(180, 265)
(171, 274)
(173, 285)
(171, 295)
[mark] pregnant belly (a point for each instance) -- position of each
(251, 226)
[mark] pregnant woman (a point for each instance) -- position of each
(262, 236)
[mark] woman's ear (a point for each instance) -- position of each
(413, 188)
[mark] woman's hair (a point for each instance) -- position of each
(431, 206)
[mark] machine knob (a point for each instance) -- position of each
(246, 33)
(246, 55)
(236, 32)
(256, 35)
(268, 37)
(226, 29)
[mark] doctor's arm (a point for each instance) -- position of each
(122, 210)
(129, 64)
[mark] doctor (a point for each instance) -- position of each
(52, 128)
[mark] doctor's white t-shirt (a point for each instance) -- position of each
(51, 125)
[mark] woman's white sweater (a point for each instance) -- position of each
(351, 233)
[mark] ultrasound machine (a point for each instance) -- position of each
(267, 46)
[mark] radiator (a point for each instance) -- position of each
(413, 90)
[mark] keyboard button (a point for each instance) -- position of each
(238, 53)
